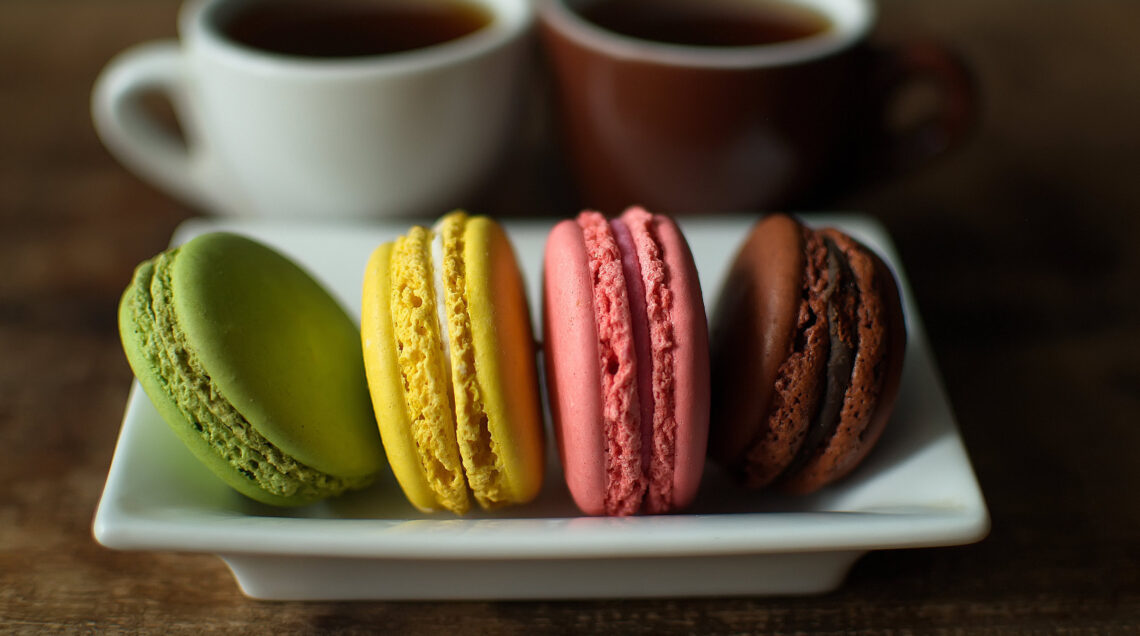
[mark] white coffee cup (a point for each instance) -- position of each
(266, 134)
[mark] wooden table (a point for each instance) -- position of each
(1017, 246)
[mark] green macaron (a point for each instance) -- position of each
(255, 367)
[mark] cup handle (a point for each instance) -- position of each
(899, 150)
(134, 136)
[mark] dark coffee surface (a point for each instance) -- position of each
(351, 29)
(708, 22)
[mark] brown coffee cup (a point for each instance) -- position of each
(690, 125)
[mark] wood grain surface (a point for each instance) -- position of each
(1020, 247)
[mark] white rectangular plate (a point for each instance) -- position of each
(916, 489)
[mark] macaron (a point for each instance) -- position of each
(255, 367)
(450, 359)
(807, 349)
(627, 362)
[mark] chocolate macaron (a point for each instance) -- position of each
(807, 345)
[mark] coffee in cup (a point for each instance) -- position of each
(341, 29)
(709, 23)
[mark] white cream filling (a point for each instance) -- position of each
(440, 296)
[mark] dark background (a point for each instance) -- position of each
(1019, 247)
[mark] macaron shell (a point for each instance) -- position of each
(158, 390)
(426, 378)
(280, 350)
(752, 331)
(618, 363)
(476, 446)
(893, 362)
(504, 358)
(690, 360)
(386, 383)
(801, 380)
(573, 355)
(875, 375)
(640, 259)
(571, 359)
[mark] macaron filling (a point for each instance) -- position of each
(625, 481)
(841, 298)
(862, 319)
(419, 354)
(198, 398)
(828, 361)
(437, 267)
(632, 307)
(800, 378)
(647, 280)
(476, 445)
(639, 323)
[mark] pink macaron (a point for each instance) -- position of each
(627, 362)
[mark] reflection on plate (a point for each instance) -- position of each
(916, 489)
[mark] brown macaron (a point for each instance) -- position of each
(807, 345)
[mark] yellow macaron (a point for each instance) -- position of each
(450, 360)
